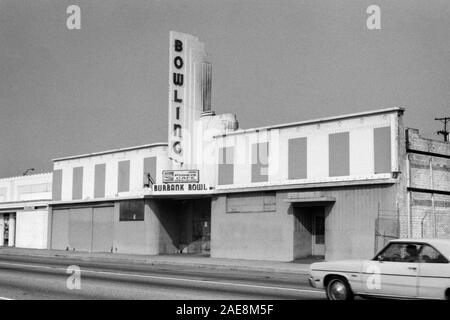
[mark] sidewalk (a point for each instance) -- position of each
(176, 260)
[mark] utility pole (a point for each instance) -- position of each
(444, 132)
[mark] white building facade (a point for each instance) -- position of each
(335, 187)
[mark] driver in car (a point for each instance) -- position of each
(412, 254)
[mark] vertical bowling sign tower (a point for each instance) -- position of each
(189, 97)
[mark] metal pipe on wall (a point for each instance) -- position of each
(432, 198)
(408, 195)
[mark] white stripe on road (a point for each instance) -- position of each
(3, 298)
(167, 278)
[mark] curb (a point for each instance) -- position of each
(299, 271)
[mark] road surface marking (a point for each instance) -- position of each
(166, 278)
(3, 298)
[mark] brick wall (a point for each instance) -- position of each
(429, 186)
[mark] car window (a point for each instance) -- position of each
(400, 252)
(430, 255)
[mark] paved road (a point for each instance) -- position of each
(46, 278)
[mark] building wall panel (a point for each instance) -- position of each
(429, 172)
(350, 221)
(317, 156)
(251, 235)
(103, 229)
(129, 236)
(339, 154)
(297, 157)
(31, 229)
(80, 229)
(369, 151)
(77, 183)
(361, 152)
(382, 149)
(430, 215)
(57, 185)
(150, 168)
(260, 162)
(417, 143)
(135, 168)
(226, 166)
(60, 229)
(123, 182)
(100, 180)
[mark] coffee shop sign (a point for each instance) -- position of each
(180, 176)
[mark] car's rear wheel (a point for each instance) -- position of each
(338, 289)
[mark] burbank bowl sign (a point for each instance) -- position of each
(181, 182)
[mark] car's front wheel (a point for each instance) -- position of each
(338, 289)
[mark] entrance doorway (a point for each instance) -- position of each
(318, 234)
(194, 218)
(7, 229)
(309, 231)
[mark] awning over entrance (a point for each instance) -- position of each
(309, 199)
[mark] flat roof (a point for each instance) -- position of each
(100, 153)
(319, 120)
(22, 177)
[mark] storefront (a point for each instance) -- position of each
(338, 187)
(138, 226)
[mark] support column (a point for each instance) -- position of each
(2, 230)
(12, 230)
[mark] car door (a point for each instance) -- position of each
(392, 273)
(434, 273)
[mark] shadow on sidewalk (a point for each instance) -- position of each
(309, 259)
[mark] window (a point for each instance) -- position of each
(132, 210)
(400, 252)
(430, 255)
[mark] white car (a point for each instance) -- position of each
(404, 268)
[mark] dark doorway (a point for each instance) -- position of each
(309, 231)
(195, 226)
(5, 230)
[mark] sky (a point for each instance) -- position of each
(67, 92)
